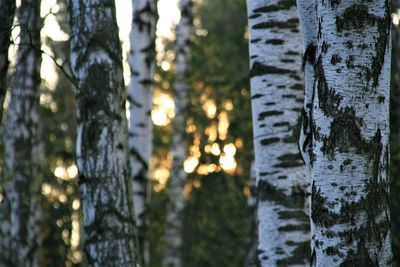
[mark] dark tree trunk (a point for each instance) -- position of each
(20, 212)
(7, 11)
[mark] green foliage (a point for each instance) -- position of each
(215, 223)
(58, 119)
(216, 218)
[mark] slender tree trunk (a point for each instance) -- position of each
(20, 208)
(140, 97)
(277, 100)
(173, 231)
(102, 138)
(349, 127)
(7, 11)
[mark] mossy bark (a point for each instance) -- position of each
(105, 184)
(348, 134)
(173, 231)
(20, 209)
(141, 62)
(277, 99)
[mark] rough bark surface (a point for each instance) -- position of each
(102, 138)
(277, 101)
(349, 127)
(173, 231)
(20, 210)
(7, 11)
(140, 98)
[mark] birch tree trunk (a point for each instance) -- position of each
(102, 138)
(349, 126)
(140, 98)
(7, 11)
(20, 211)
(173, 231)
(277, 101)
(308, 22)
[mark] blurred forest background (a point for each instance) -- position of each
(217, 220)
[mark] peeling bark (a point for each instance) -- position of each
(7, 11)
(349, 129)
(105, 185)
(277, 100)
(140, 98)
(173, 231)
(20, 210)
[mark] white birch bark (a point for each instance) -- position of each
(277, 101)
(308, 22)
(20, 210)
(349, 126)
(7, 11)
(141, 62)
(102, 138)
(173, 231)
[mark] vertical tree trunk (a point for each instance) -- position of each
(102, 138)
(277, 100)
(20, 208)
(349, 126)
(7, 11)
(308, 22)
(173, 232)
(140, 97)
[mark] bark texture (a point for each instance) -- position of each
(140, 98)
(102, 138)
(277, 100)
(173, 231)
(20, 210)
(7, 11)
(349, 134)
